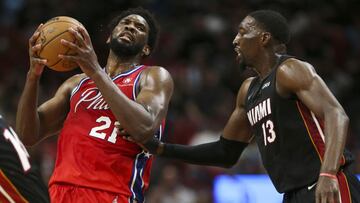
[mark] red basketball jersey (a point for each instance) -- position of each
(90, 152)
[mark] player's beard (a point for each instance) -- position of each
(123, 49)
(242, 66)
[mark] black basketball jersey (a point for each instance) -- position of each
(289, 136)
(20, 180)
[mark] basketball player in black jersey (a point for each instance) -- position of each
(299, 126)
(20, 181)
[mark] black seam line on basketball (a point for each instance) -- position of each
(53, 39)
(60, 59)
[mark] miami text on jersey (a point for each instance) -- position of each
(259, 111)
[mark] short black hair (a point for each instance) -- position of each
(150, 19)
(273, 22)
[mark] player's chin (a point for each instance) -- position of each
(239, 59)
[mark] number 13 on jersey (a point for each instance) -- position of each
(268, 132)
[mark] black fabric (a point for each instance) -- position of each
(307, 193)
(28, 183)
(223, 153)
(152, 145)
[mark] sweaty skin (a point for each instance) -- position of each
(140, 117)
(293, 77)
(258, 49)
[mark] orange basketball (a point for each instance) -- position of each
(51, 33)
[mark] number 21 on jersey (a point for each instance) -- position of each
(106, 123)
(268, 132)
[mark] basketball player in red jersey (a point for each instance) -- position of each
(93, 164)
(298, 125)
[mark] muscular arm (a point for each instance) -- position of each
(141, 118)
(298, 77)
(226, 151)
(34, 124)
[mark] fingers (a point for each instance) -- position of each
(123, 132)
(337, 198)
(35, 36)
(34, 50)
(71, 45)
(85, 34)
(79, 39)
(39, 60)
(34, 57)
(68, 57)
(333, 197)
(128, 138)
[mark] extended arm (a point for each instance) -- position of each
(225, 152)
(299, 77)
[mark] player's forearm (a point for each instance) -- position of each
(336, 127)
(138, 122)
(27, 118)
(223, 153)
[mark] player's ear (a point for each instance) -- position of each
(108, 40)
(146, 50)
(265, 38)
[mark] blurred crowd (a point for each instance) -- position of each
(195, 45)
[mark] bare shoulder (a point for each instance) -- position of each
(294, 74)
(157, 70)
(156, 74)
(244, 88)
(72, 82)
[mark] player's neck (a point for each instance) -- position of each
(265, 65)
(116, 65)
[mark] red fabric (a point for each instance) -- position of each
(70, 194)
(312, 129)
(89, 161)
(344, 188)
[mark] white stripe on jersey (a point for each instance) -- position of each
(134, 175)
(7, 196)
(78, 86)
(127, 73)
(318, 126)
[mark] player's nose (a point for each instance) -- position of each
(236, 40)
(130, 27)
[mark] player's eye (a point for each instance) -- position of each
(141, 28)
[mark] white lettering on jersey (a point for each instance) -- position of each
(266, 85)
(94, 100)
(260, 111)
